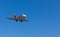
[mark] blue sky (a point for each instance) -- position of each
(44, 16)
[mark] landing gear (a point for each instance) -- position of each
(16, 20)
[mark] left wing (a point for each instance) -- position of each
(10, 18)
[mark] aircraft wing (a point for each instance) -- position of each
(10, 18)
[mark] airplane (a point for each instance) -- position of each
(21, 18)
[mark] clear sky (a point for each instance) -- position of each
(44, 16)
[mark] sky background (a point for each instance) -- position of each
(44, 16)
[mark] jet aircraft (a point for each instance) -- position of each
(21, 18)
